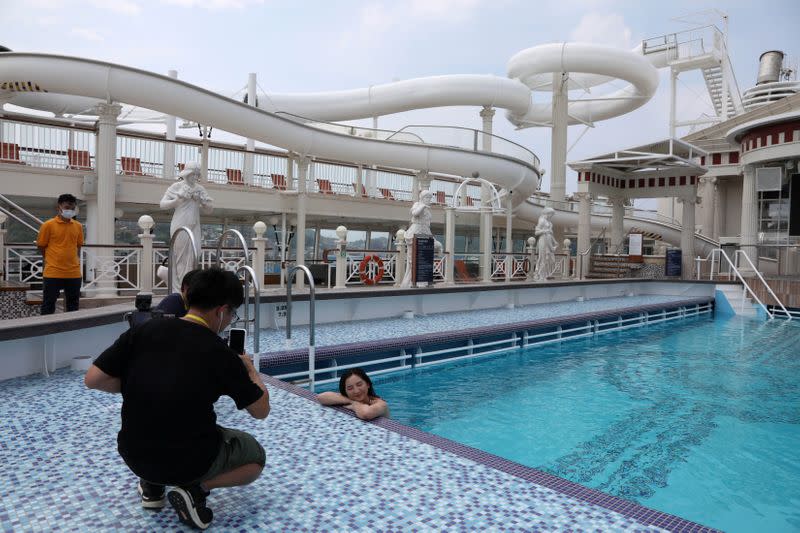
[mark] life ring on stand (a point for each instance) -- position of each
(363, 270)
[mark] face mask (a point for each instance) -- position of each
(67, 213)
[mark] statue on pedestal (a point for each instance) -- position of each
(546, 245)
(420, 227)
(189, 199)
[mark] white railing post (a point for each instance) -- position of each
(145, 271)
(341, 258)
(260, 243)
(400, 242)
(3, 219)
(449, 240)
(565, 274)
(531, 258)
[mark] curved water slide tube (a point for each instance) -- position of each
(107, 81)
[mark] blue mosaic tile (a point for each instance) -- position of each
(326, 470)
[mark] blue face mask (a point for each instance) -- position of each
(67, 213)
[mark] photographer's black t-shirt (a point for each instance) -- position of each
(172, 372)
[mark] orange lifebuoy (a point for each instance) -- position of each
(363, 270)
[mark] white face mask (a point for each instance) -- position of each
(67, 213)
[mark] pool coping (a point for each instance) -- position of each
(322, 353)
(629, 509)
(20, 328)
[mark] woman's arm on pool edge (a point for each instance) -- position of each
(333, 398)
(368, 412)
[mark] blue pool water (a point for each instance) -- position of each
(699, 419)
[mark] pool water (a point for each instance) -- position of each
(700, 418)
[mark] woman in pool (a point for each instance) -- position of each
(356, 393)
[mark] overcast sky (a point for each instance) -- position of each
(304, 46)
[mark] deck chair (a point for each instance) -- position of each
(278, 181)
(234, 176)
(324, 186)
(79, 160)
(9, 153)
(131, 166)
(461, 271)
(386, 193)
(440, 197)
(363, 190)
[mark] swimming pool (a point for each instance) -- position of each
(699, 418)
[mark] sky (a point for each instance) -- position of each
(311, 46)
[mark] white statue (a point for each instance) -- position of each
(189, 199)
(420, 227)
(546, 245)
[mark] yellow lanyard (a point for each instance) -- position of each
(197, 319)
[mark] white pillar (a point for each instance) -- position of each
(449, 244)
(687, 235)
(300, 233)
(204, 159)
(106, 161)
(558, 147)
(509, 241)
(400, 266)
(169, 146)
(260, 243)
(341, 258)
(485, 234)
(708, 187)
(567, 250)
(291, 157)
(673, 101)
(584, 231)
(617, 223)
(360, 189)
(749, 224)
(717, 212)
(531, 258)
(247, 174)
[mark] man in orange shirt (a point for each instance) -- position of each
(60, 240)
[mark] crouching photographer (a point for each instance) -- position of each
(170, 373)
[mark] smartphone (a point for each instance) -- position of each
(236, 340)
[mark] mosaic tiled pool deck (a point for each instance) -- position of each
(325, 471)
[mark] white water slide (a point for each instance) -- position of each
(531, 70)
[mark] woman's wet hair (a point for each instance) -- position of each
(360, 373)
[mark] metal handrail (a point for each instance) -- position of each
(763, 281)
(21, 209)
(311, 353)
(581, 255)
(719, 251)
(250, 273)
(238, 235)
(171, 254)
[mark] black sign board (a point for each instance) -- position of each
(422, 260)
(672, 265)
(794, 207)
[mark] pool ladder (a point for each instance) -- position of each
(311, 354)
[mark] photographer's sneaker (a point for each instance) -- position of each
(152, 495)
(190, 504)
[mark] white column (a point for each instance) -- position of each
(558, 147)
(247, 174)
(617, 223)
(509, 241)
(402, 249)
(204, 159)
(749, 224)
(449, 244)
(687, 235)
(708, 190)
(360, 181)
(106, 162)
(341, 258)
(584, 231)
(146, 262)
(531, 258)
(260, 243)
(169, 146)
(673, 101)
(485, 235)
(717, 212)
(300, 233)
(291, 157)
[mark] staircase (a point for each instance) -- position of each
(740, 302)
(610, 266)
(713, 77)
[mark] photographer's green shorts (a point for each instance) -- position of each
(238, 449)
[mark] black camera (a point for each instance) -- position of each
(144, 310)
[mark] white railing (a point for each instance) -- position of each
(110, 268)
(717, 255)
(517, 264)
(355, 257)
(45, 145)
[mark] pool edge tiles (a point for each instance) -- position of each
(626, 508)
(271, 359)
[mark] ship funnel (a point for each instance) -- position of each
(769, 67)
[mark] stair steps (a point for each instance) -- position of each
(740, 302)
